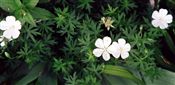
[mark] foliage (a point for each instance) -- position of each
(57, 41)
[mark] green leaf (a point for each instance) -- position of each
(32, 75)
(10, 5)
(29, 19)
(172, 1)
(113, 80)
(30, 3)
(121, 72)
(169, 41)
(167, 78)
(40, 13)
(48, 78)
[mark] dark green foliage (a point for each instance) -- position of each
(58, 37)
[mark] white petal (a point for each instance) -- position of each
(7, 34)
(163, 12)
(106, 41)
(103, 19)
(11, 33)
(127, 47)
(17, 25)
(10, 19)
(155, 15)
(108, 28)
(116, 54)
(155, 23)
(15, 34)
(113, 49)
(121, 42)
(98, 52)
(169, 18)
(124, 55)
(99, 43)
(163, 25)
(106, 56)
(4, 25)
(2, 44)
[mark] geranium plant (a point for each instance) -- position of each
(86, 42)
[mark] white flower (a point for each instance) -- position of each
(120, 48)
(161, 18)
(11, 27)
(102, 48)
(107, 22)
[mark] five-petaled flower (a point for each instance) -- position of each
(161, 18)
(107, 22)
(103, 48)
(120, 48)
(11, 27)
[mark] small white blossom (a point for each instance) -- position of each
(107, 22)
(103, 48)
(120, 48)
(161, 18)
(11, 27)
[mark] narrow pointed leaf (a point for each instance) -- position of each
(30, 3)
(32, 75)
(121, 72)
(40, 13)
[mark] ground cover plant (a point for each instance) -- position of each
(87, 42)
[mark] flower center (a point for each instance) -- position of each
(121, 49)
(108, 23)
(12, 27)
(161, 19)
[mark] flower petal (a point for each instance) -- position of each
(103, 19)
(4, 25)
(7, 34)
(98, 52)
(106, 41)
(155, 23)
(108, 28)
(121, 42)
(17, 25)
(155, 15)
(106, 56)
(169, 18)
(124, 55)
(15, 34)
(99, 43)
(127, 47)
(10, 19)
(112, 49)
(163, 12)
(163, 25)
(11, 34)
